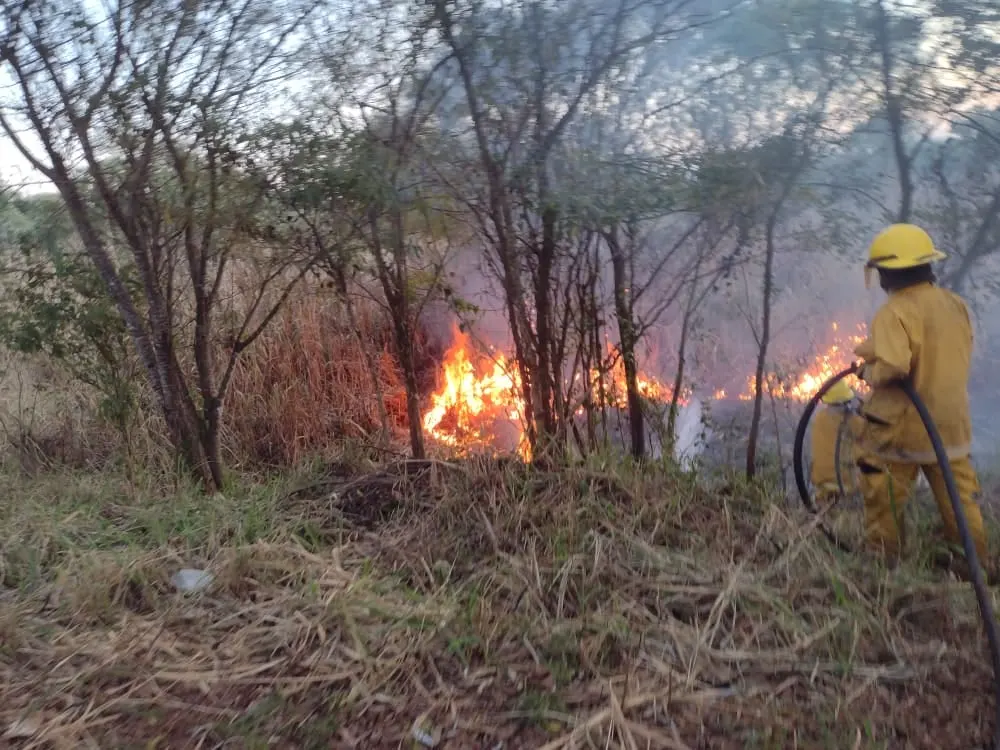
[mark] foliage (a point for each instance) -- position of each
(56, 305)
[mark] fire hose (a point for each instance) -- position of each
(978, 579)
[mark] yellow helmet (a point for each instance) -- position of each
(841, 393)
(901, 246)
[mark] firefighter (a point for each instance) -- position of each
(924, 333)
(837, 414)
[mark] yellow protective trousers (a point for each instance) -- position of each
(886, 487)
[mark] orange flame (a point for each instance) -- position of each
(480, 398)
(475, 399)
(837, 357)
(613, 384)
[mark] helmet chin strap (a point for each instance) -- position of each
(869, 276)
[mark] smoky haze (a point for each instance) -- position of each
(853, 188)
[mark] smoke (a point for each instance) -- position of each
(818, 283)
(474, 301)
(692, 434)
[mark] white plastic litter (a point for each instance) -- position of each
(190, 580)
(425, 734)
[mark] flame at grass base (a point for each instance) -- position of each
(837, 357)
(478, 405)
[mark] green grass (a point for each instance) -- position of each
(49, 522)
(598, 604)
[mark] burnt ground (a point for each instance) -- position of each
(481, 603)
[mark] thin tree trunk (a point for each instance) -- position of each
(588, 319)
(777, 438)
(627, 341)
(211, 443)
(404, 343)
(543, 341)
(675, 395)
(765, 340)
(208, 423)
(394, 286)
(894, 115)
(188, 431)
(979, 246)
(602, 395)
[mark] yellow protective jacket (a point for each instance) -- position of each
(825, 427)
(923, 332)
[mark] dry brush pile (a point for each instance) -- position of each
(472, 605)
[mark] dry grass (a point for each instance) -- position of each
(305, 386)
(302, 391)
(47, 418)
(311, 384)
(487, 604)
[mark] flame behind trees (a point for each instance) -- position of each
(477, 405)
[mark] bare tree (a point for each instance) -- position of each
(889, 59)
(964, 206)
(916, 99)
(526, 73)
(398, 202)
(627, 329)
(135, 115)
(778, 164)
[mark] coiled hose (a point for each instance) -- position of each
(798, 464)
(976, 571)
